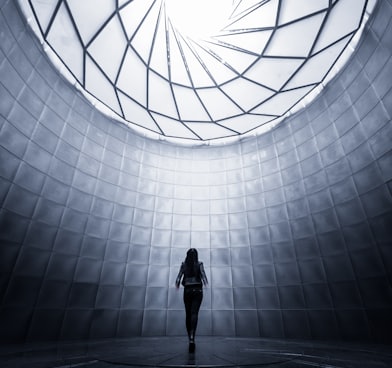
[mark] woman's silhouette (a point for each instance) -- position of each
(193, 277)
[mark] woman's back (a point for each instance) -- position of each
(193, 276)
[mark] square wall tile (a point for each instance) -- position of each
(271, 323)
(104, 323)
(88, 270)
(318, 296)
(204, 324)
(287, 273)
(40, 235)
(158, 275)
(353, 324)
(45, 324)
(221, 276)
(244, 298)
(61, 267)
(154, 322)
(175, 324)
(242, 276)
(345, 295)
(156, 298)
(222, 298)
(267, 298)
(312, 270)
(296, 324)
(307, 248)
(112, 273)
(22, 291)
(223, 322)
(246, 323)
(291, 297)
(376, 293)
(82, 295)
(323, 324)
(108, 297)
(133, 297)
(31, 262)
(130, 323)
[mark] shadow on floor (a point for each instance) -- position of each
(210, 352)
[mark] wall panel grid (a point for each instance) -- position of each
(293, 226)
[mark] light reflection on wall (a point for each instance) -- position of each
(293, 226)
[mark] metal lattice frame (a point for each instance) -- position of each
(246, 76)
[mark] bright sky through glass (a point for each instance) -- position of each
(198, 19)
(198, 70)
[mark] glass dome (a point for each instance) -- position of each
(198, 71)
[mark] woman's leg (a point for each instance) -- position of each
(197, 297)
(188, 310)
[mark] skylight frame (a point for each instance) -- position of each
(150, 126)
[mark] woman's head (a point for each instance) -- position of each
(192, 256)
(191, 262)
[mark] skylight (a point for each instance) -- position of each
(198, 70)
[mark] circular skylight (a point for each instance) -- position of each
(198, 70)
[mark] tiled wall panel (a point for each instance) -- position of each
(293, 226)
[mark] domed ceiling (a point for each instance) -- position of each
(198, 70)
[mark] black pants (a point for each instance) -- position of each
(192, 300)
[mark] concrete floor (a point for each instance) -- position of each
(210, 352)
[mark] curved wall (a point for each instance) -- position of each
(294, 226)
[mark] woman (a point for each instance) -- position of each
(193, 277)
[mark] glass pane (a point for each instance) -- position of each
(256, 17)
(250, 41)
(236, 59)
(209, 130)
(189, 105)
(291, 10)
(317, 66)
(273, 72)
(133, 77)
(178, 72)
(205, 62)
(243, 7)
(218, 105)
(67, 44)
(132, 15)
(96, 15)
(99, 86)
(160, 96)
(137, 114)
(108, 48)
(343, 19)
(243, 124)
(218, 71)
(198, 74)
(142, 40)
(159, 56)
(255, 95)
(197, 19)
(173, 128)
(44, 10)
(295, 39)
(280, 103)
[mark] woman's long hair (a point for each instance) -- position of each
(191, 263)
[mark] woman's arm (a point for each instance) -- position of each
(179, 276)
(203, 274)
